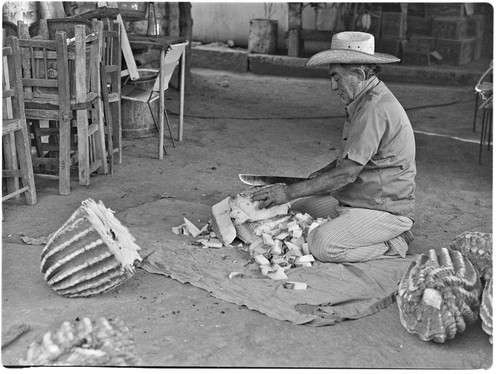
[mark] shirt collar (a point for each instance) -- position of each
(354, 105)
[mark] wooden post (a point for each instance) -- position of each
(64, 118)
(43, 29)
(294, 26)
(23, 33)
(81, 115)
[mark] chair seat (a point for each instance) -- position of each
(52, 102)
(485, 87)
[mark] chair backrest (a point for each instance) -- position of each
(49, 61)
(12, 88)
(484, 86)
(172, 57)
(45, 69)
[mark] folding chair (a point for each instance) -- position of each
(17, 163)
(172, 56)
(484, 90)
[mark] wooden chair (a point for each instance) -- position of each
(174, 54)
(17, 163)
(110, 64)
(111, 90)
(62, 86)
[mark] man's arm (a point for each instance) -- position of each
(343, 174)
(330, 166)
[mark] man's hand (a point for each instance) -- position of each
(272, 195)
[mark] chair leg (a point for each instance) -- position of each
(35, 127)
(483, 134)
(475, 113)
(117, 130)
(98, 119)
(26, 165)
(10, 160)
(490, 126)
(83, 147)
(19, 168)
(107, 119)
(169, 130)
(156, 124)
(64, 157)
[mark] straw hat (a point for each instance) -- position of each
(351, 47)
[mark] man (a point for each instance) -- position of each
(369, 190)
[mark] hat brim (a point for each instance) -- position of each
(349, 56)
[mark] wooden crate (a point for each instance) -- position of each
(326, 19)
(455, 52)
(476, 25)
(416, 9)
(394, 25)
(478, 47)
(417, 51)
(375, 23)
(445, 10)
(421, 44)
(412, 58)
(450, 27)
(392, 46)
(419, 26)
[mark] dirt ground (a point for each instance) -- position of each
(243, 123)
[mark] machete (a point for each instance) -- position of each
(265, 180)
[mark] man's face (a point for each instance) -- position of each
(345, 83)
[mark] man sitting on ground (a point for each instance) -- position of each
(369, 190)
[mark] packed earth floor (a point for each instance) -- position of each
(244, 123)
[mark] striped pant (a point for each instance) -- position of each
(353, 234)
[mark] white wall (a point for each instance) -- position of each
(231, 21)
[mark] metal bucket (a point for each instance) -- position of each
(137, 121)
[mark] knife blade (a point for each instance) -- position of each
(264, 180)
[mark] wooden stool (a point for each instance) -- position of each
(16, 142)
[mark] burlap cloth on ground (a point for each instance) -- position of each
(335, 292)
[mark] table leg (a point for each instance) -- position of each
(161, 114)
(181, 99)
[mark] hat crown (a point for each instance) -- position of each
(355, 40)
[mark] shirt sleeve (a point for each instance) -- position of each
(365, 135)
